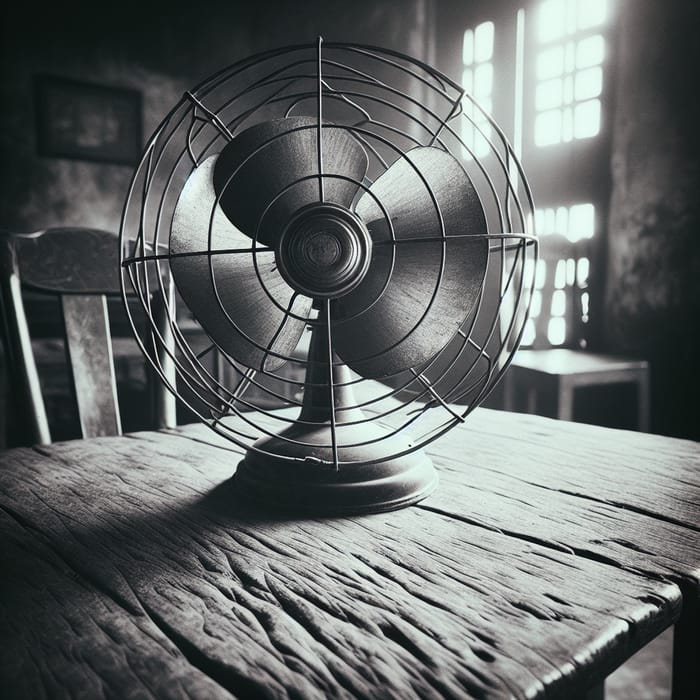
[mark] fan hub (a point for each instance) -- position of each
(324, 251)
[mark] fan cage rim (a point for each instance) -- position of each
(524, 240)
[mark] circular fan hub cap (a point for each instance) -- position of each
(324, 251)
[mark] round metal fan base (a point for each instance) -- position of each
(311, 484)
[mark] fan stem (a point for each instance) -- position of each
(327, 391)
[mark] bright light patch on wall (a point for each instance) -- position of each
(575, 222)
(483, 42)
(528, 333)
(556, 330)
(477, 81)
(582, 269)
(558, 302)
(590, 51)
(591, 13)
(569, 70)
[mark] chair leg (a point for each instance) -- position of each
(532, 400)
(509, 392)
(565, 400)
(643, 402)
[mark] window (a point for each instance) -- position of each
(477, 81)
(575, 222)
(560, 294)
(568, 72)
(541, 69)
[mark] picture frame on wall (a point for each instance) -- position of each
(87, 121)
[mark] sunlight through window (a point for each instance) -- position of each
(477, 81)
(575, 222)
(556, 330)
(569, 70)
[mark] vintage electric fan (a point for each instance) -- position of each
(348, 211)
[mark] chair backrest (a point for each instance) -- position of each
(559, 310)
(81, 267)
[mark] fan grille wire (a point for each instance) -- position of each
(427, 400)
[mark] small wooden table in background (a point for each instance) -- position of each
(548, 555)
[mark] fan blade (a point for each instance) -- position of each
(271, 159)
(424, 302)
(241, 294)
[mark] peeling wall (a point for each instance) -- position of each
(653, 268)
(161, 49)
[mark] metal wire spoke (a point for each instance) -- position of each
(331, 380)
(319, 133)
(194, 254)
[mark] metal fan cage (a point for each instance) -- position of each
(391, 103)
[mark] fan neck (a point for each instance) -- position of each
(319, 403)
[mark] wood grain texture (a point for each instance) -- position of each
(89, 348)
(79, 260)
(79, 265)
(652, 474)
(28, 422)
(623, 498)
(61, 637)
(407, 604)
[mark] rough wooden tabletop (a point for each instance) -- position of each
(131, 569)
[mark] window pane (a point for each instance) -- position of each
(570, 272)
(552, 20)
(589, 83)
(528, 271)
(591, 13)
(548, 128)
(556, 330)
(561, 222)
(550, 221)
(540, 274)
(587, 119)
(483, 42)
(582, 221)
(539, 221)
(569, 56)
(590, 51)
(468, 82)
(550, 63)
(559, 302)
(536, 304)
(528, 333)
(483, 80)
(582, 272)
(567, 128)
(468, 48)
(568, 89)
(560, 275)
(548, 94)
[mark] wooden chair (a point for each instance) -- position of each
(80, 266)
(557, 363)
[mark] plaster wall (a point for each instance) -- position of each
(653, 253)
(161, 49)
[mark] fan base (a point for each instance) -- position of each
(304, 479)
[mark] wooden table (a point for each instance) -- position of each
(548, 555)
